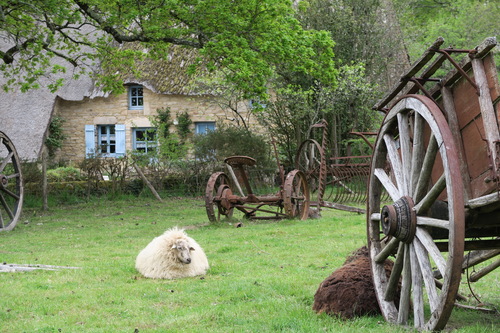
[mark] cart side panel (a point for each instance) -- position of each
(466, 102)
(472, 130)
(492, 77)
(477, 158)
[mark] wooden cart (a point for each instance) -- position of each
(437, 155)
(11, 184)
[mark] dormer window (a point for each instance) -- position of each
(135, 98)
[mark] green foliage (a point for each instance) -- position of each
(356, 26)
(462, 23)
(184, 125)
(170, 145)
(227, 140)
(64, 174)
(248, 40)
(346, 107)
(56, 135)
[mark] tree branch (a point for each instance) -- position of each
(122, 38)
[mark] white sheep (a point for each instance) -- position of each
(172, 255)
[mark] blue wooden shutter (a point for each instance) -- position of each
(89, 141)
(120, 140)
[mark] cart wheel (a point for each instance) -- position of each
(308, 160)
(11, 184)
(217, 190)
(416, 163)
(296, 200)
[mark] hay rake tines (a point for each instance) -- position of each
(335, 182)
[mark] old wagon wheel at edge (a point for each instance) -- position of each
(218, 186)
(417, 142)
(296, 195)
(11, 184)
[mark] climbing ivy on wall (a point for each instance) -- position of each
(55, 136)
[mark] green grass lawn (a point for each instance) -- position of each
(263, 276)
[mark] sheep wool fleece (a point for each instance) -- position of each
(158, 259)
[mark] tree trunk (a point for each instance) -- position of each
(146, 181)
(45, 192)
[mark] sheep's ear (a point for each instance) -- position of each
(191, 248)
(174, 246)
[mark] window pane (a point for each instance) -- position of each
(204, 127)
(144, 139)
(136, 100)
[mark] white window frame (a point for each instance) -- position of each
(148, 145)
(114, 142)
(136, 97)
(202, 127)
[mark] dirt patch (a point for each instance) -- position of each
(349, 291)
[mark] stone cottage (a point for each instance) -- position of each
(110, 125)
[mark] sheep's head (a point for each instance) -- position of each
(182, 251)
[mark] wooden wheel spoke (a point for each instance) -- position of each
(6, 206)
(6, 160)
(14, 175)
(432, 249)
(418, 152)
(393, 283)
(394, 159)
(431, 196)
(416, 141)
(10, 193)
(426, 169)
(417, 284)
(431, 222)
(386, 251)
(425, 267)
(405, 148)
(404, 301)
(387, 183)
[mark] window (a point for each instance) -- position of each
(144, 139)
(256, 104)
(105, 140)
(135, 98)
(204, 127)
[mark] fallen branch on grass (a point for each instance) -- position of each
(5, 268)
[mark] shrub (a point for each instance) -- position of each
(227, 140)
(64, 174)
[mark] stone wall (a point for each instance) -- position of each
(114, 110)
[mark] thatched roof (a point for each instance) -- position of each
(25, 116)
(168, 76)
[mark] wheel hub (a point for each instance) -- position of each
(223, 193)
(4, 181)
(400, 220)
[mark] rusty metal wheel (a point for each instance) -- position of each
(415, 161)
(309, 157)
(296, 195)
(217, 191)
(11, 184)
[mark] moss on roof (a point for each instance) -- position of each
(167, 76)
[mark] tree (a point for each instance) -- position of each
(345, 106)
(462, 23)
(248, 40)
